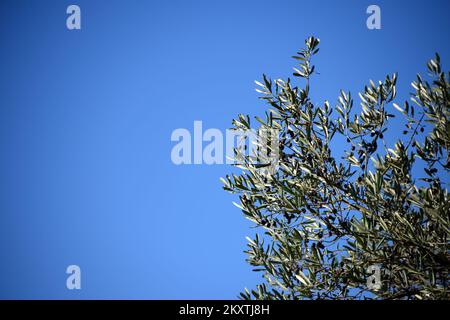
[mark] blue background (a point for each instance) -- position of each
(86, 118)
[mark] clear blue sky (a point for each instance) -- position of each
(86, 118)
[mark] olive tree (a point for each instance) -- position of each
(328, 218)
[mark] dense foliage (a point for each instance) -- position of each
(329, 215)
